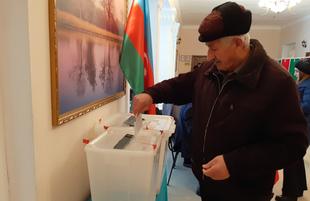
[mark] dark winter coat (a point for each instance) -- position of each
(304, 91)
(252, 118)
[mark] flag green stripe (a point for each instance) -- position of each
(132, 66)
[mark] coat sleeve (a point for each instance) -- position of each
(285, 141)
(178, 90)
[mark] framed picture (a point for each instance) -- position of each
(307, 54)
(197, 59)
(86, 38)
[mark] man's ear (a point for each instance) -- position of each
(238, 42)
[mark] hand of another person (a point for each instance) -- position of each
(141, 103)
(216, 169)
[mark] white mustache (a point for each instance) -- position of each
(216, 61)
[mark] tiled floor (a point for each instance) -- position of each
(183, 184)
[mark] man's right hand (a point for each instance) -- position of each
(141, 103)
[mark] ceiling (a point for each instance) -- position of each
(192, 12)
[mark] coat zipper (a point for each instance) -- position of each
(205, 136)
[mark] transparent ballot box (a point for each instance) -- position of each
(135, 172)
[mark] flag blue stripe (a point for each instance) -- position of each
(144, 5)
(147, 33)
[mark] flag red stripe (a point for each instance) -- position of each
(149, 77)
(135, 28)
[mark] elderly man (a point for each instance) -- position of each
(247, 119)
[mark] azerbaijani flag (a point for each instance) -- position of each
(136, 59)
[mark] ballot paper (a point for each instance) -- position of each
(138, 123)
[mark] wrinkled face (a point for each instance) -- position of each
(223, 55)
(296, 73)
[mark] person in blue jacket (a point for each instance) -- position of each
(294, 176)
(183, 133)
(302, 72)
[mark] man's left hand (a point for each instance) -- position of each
(216, 169)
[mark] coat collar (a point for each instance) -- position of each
(250, 73)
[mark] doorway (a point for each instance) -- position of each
(196, 59)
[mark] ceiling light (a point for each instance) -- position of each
(278, 6)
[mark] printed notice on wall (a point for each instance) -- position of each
(187, 58)
(182, 58)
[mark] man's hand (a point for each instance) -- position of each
(141, 103)
(216, 169)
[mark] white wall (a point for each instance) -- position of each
(44, 162)
(190, 46)
(269, 38)
(15, 78)
(295, 33)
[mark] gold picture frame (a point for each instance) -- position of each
(86, 38)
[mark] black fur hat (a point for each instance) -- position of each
(227, 19)
(303, 66)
